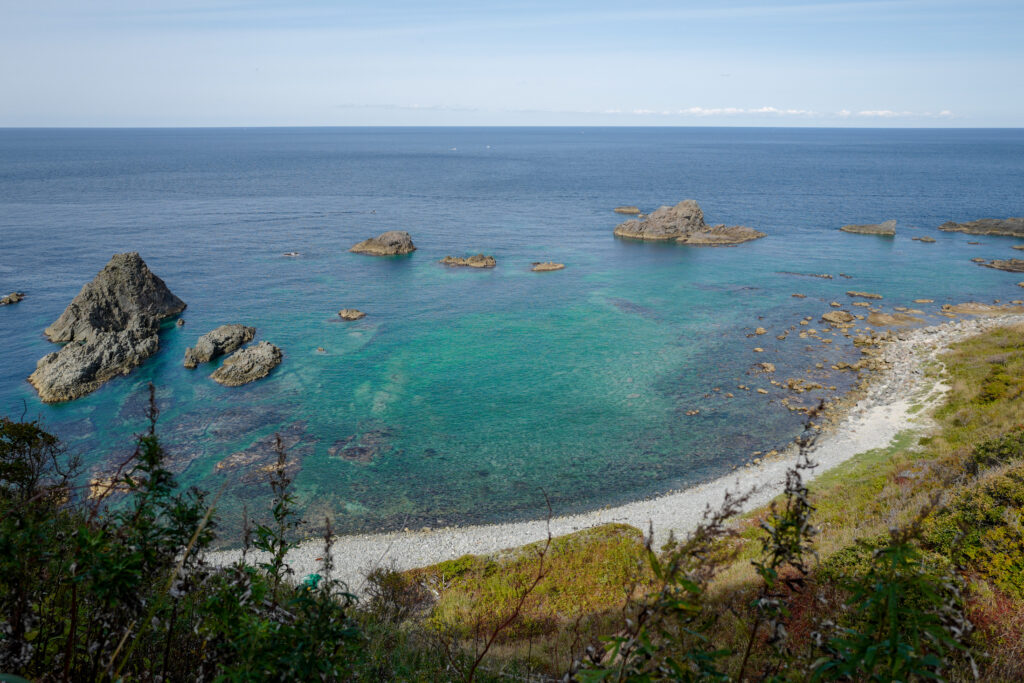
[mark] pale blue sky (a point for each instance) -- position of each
(454, 62)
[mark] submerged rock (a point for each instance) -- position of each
(255, 464)
(390, 243)
(628, 210)
(110, 328)
(892, 319)
(546, 266)
(888, 228)
(248, 365)
(363, 448)
(923, 239)
(988, 226)
(12, 298)
(477, 261)
(864, 295)
(351, 314)
(1013, 265)
(684, 223)
(220, 341)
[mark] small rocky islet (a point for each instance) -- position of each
(885, 229)
(1012, 227)
(350, 314)
(390, 243)
(248, 365)
(223, 340)
(475, 261)
(684, 224)
(12, 298)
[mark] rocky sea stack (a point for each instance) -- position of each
(477, 261)
(684, 223)
(224, 339)
(988, 226)
(109, 328)
(886, 229)
(390, 243)
(248, 365)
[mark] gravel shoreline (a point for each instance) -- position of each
(870, 423)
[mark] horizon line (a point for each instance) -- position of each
(518, 125)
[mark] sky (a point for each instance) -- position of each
(889, 63)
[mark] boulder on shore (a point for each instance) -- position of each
(248, 365)
(12, 298)
(390, 243)
(110, 327)
(351, 314)
(546, 266)
(988, 226)
(476, 261)
(218, 342)
(684, 223)
(888, 228)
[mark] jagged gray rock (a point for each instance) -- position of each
(390, 243)
(684, 223)
(110, 327)
(224, 339)
(666, 223)
(123, 290)
(248, 365)
(886, 229)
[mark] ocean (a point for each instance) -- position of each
(469, 395)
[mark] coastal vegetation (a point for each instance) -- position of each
(904, 563)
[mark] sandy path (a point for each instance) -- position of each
(871, 423)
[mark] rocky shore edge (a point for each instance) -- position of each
(867, 418)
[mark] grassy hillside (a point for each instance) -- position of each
(904, 563)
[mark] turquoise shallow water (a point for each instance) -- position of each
(472, 395)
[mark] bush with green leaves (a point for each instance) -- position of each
(117, 588)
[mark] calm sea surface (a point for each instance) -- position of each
(469, 395)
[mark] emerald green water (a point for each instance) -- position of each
(472, 396)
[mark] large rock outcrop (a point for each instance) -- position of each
(110, 328)
(218, 342)
(988, 226)
(248, 365)
(684, 224)
(887, 229)
(390, 243)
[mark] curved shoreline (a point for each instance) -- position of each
(872, 422)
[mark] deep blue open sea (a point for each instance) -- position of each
(472, 394)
